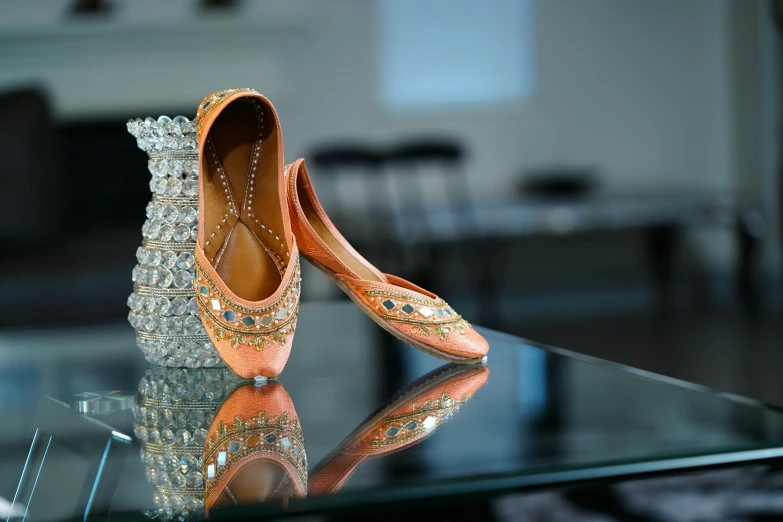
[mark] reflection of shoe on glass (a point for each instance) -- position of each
(406, 420)
(408, 312)
(255, 450)
(247, 262)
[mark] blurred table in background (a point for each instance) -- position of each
(661, 219)
(409, 208)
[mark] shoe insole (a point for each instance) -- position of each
(243, 259)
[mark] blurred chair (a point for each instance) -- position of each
(30, 205)
(429, 177)
(751, 229)
(90, 7)
(71, 205)
(384, 202)
(352, 185)
(414, 164)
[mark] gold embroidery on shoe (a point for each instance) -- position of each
(442, 330)
(212, 101)
(217, 331)
(427, 316)
(422, 420)
(254, 340)
(258, 342)
(404, 297)
(243, 438)
(279, 336)
(263, 325)
(236, 340)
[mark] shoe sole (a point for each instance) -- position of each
(429, 350)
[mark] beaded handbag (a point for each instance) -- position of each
(163, 308)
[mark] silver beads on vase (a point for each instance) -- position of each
(163, 308)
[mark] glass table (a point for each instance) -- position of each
(357, 420)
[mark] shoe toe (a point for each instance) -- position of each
(248, 362)
(461, 386)
(464, 344)
(471, 344)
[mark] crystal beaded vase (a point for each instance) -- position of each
(171, 419)
(163, 308)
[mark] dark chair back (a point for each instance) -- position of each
(351, 184)
(30, 181)
(428, 175)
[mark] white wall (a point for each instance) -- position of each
(147, 55)
(639, 89)
(636, 89)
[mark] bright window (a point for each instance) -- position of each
(454, 52)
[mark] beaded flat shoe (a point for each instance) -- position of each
(407, 419)
(408, 312)
(247, 262)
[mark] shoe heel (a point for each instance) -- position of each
(163, 308)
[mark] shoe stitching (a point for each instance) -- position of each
(251, 190)
(280, 267)
(247, 197)
(249, 194)
(221, 173)
(214, 158)
(223, 249)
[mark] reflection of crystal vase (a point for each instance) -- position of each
(171, 419)
(163, 304)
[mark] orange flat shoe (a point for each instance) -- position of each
(410, 313)
(255, 450)
(247, 262)
(406, 420)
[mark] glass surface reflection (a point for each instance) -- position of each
(175, 410)
(255, 449)
(547, 416)
(412, 415)
(211, 440)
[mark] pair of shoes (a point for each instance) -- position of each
(254, 215)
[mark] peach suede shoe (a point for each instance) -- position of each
(406, 420)
(408, 312)
(247, 263)
(255, 450)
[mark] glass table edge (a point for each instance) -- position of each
(478, 487)
(610, 365)
(498, 484)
